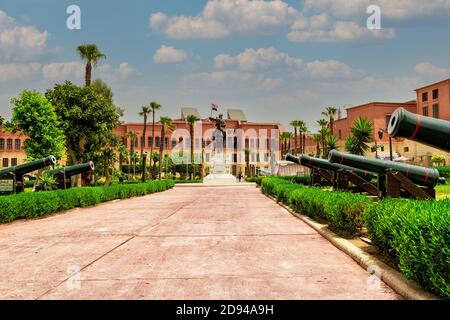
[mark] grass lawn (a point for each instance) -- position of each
(443, 191)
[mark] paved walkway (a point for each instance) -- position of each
(185, 243)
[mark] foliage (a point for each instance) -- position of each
(438, 159)
(34, 116)
(92, 55)
(47, 182)
(362, 134)
(299, 179)
(444, 171)
(39, 204)
(166, 126)
(416, 234)
(332, 143)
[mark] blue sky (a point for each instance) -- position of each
(276, 60)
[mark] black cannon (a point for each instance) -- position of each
(63, 175)
(325, 173)
(430, 131)
(394, 179)
(11, 179)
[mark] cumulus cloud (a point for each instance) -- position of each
(252, 59)
(12, 72)
(428, 70)
(330, 69)
(166, 54)
(221, 18)
(63, 70)
(20, 41)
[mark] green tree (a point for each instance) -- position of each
(323, 134)
(145, 111)
(247, 161)
(33, 115)
(317, 139)
(87, 120)
(302, 128)
(105, 91)
(123, 155)
(92, 55)
(133, 138)
(166, 126)
(191, 120)
(295, 124)
(332, 142)
(1, 120)
(330, 112)
(361, 136)
(154, 106)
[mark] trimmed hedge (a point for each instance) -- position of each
(342, 210)
(417, 235)
(444, 171)
(38, 204)
(301, 179)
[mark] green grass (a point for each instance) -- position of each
(442, 191)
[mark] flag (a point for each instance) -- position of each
(214, 107)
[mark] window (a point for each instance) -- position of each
(267, 144)
(197, 143)
(388, 118)
(188, 142)
(136, 141)
(425, 111)
(174, 143)
(150, 141)
(252, 143)
(382, 148)
(157, 141)
(14, 162)
(424, 96)
(266, 157)
(142, 141)
(257, 157)
(246, 143)
(340, 134)
(2, 144)
(235, 158)
(207, 156)
(257, 143)
(253, 157)
(5, 163)
(435, 94)
(406, 149)
(9, 144)
(435, 110)
(17, 144)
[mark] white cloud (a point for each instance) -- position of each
(11, 72)
(221, 18)
(166, 54)
(20, 41)
(252, 59)
(428, 70)
(63, 70)
(330, 69)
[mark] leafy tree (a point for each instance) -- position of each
(323, 134)
(105, 91)
(1, 120)
(154, 106)
(123, 155)
(145, 111)
(191, 120)
(362, 135)
(92, 55)
(133, 138)
(87, 120)
(330, 112)
(33, 115)
(166, 126)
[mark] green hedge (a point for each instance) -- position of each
(444, 172)
(38, 204)
(417, 235)
(301, 179)
(342, 210)
(257, 180)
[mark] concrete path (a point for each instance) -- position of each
(186, 243)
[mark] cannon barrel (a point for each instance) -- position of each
(430, 131)
(427, 177)
(31, 166)
(72, 170)
(310, 162)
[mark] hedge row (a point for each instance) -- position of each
(444, 171)
(417, 234)
(414, 232)
(38, 204)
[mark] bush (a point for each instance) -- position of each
(38, 204)
(416, 234)
(257, 180)
(444, 172)
(300, 179)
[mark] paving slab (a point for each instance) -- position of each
(190, 242)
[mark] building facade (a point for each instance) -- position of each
(11, 149)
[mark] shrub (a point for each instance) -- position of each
(257, 180)
(444, 172)
(38, 204)
(416, 234)
(300, 179)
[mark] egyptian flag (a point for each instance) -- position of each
(214, 107)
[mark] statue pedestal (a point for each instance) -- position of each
(219, 175)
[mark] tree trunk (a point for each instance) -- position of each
(295, 140)
(143, 143)
(161, 150)
(88, 74)
(191, 129)
(153, 140)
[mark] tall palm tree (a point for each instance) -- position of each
(323, 134)
(330, 112)
(191, 120)
(317, 139)
(302, 129)
(133, 137)
(145, 111)
(362, 135)
(166, 126)
(154, 106)
(91, 54)
(294, 124)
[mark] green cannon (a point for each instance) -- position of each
(394, 179)
(430, 131)
(336, 175)
(11, 179)
(63, 175)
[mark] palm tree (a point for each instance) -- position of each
(295, 124)
(317, 139)
(166, 126)
(362, 134)
(247, 161)
(145, 111)
(302, 129)
(191, 120)
(154, 106)
(330, 112)
(123, 155)
(332, 142)
(91, 54)
(323, 134)
(133, 137)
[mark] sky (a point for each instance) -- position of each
(276, 60)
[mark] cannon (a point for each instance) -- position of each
(429, 131)
(394, 179)
(11, 179)
(63, 175)
(336, 175)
